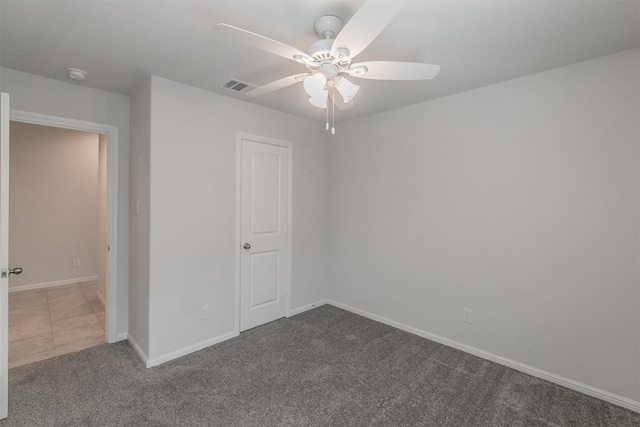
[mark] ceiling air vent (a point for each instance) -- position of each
(236, 85)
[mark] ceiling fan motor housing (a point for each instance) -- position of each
(320, 52)
(327, 27)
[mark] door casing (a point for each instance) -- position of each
(112, 201)
(4, 255)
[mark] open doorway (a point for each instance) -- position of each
(57, 234)
(57, 231)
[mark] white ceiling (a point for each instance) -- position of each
(476, 43)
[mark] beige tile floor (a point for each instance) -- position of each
(44, 323)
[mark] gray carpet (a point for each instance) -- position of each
(325, 367)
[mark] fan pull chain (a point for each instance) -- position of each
(333, 112)
(327, 117)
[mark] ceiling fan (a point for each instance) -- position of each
(329, 60)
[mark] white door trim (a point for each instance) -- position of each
(4, 283)
(112, 200)
(238, 241)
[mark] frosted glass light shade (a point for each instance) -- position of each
(314, 86)
(346, 89)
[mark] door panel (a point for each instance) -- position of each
(4, 253)
(264, 233)
(264, 278)
(265, 179)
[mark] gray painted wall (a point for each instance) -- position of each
(519, 201)
(139, 225)
(192, 210)
(53, 204)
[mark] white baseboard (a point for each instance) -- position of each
(136, 347)
(204, 344)
(557, 379)
(307, 307)
(52, 284)
(191, 349)
(122, 336)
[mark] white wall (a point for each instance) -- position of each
(36, 94)
(139, 225)
(53, 204)
(519, 201)
(193, 210)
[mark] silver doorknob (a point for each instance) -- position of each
(247, 246)
(5, 273)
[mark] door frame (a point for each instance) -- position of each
(240, 136)
(112, 200)
(4, 286)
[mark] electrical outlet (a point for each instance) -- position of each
(205, 312)
(467, 315)
(75, 262)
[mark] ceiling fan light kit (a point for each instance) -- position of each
(329, 60)
(315, 87)
(346, 89)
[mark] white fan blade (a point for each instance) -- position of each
(278, 84)
(391, 70)
(365, 25)
(339, 102)
(260, 42)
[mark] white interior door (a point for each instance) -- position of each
(4, 253)
(264, 233)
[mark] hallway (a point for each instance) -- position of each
(49, 322)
